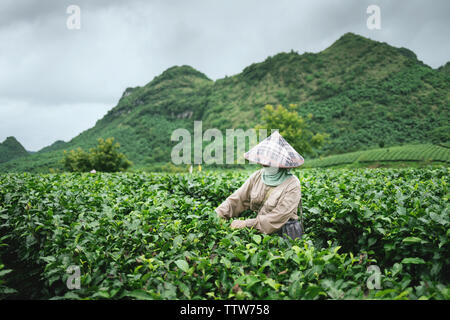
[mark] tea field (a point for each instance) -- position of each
(156, 236)
(419, 154)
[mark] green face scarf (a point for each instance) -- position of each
(275, 176)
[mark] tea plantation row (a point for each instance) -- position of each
(156, 236)
(407, 153)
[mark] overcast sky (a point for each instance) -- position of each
(56, 82)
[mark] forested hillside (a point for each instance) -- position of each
(363, 93)
(11, 149)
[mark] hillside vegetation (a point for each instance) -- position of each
(156, 236)
(420, 153)
(11, 149)
(363, 93)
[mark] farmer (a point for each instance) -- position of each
(273, 191)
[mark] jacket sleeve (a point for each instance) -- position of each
(279, 215)
(238, 202)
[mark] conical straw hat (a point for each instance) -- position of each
(274, 151)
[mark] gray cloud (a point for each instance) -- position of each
(50, 71)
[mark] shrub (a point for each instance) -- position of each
(105, 157)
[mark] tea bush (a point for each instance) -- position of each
(156, 236)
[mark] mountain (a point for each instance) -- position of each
(362, 92)
(54, 146)
(11, 149)
(445, 68)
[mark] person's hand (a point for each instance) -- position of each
(238, 224)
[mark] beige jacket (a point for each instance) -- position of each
(280, 206)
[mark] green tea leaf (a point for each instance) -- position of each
(177, 241)
(271, 282)
(257, 238)
(411, 240)
(139, 294)
(183, 265)
(413, 261)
